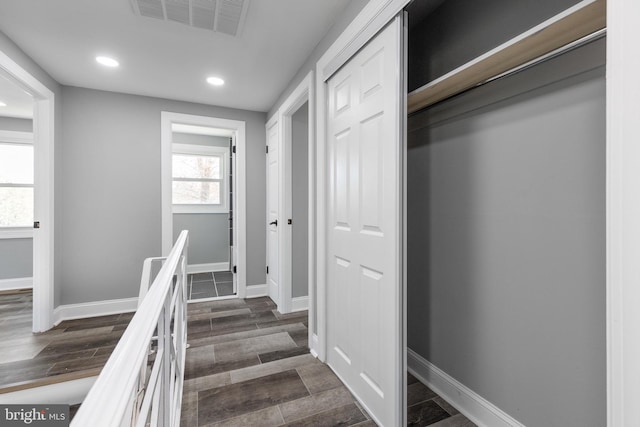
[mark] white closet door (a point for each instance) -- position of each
(273, 197)
(364, 224)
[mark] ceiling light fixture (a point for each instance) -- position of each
(107, 62)
(215, 81)
(2, 104)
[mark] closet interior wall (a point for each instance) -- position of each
(506, 217)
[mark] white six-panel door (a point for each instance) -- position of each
(272, 212)
(364, 225)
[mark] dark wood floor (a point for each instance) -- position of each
(247, 365)
(72, 346)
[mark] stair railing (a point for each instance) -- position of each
(138, 387)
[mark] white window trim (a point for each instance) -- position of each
(17, 138)
(224, 196)
(16, 233)
(13, 137)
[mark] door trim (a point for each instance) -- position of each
(44, 183)
(304, 92)
(271, 123)
(239, 176)
(623, 220)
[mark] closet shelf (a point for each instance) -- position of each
(581, 20)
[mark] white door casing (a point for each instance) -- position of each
(167, 119)
(364, 236)
(301, 94)
(273, 201)
(44, 164)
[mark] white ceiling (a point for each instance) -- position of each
(169, 59)
(19, 103)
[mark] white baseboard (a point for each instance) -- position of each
(94, 309)
(205, 268)
(313, 345)
(299, 304)
(256, 291)
(19, 283)
(469, 403)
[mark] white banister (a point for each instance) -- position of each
(123, 394)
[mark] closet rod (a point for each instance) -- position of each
(585, 20)
(564, 49)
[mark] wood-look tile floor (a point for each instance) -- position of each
(72, 346)
(248, 365)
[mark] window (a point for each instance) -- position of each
(200, 183)
(16, 180)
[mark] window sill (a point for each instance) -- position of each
(16, 233)
(199, 209)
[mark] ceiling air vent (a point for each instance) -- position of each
(222, 16)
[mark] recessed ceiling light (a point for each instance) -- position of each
(107, 62)
(215, 81)
(2, 104)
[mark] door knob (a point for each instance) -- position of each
(274, 223)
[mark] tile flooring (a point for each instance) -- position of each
(210, 285)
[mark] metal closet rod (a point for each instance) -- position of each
(546, 57)
(539, 60)
(567, 30)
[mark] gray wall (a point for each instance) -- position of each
(8, 47)
(506, 242)
(465, 29)
(208, 236)
(16, 255)
(346, 16)
(208, 232)
(111, 179)
(300, 197)
(16, 258)
(16, 124)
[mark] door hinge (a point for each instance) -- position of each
(235, 269)
(234, 149)
(267, 269)
(267, 149)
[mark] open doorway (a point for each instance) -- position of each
(291, 212)
(37, 99)
(16, 207)
(299, 260)
(202, 202)
(203, 192)
(16, 187)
